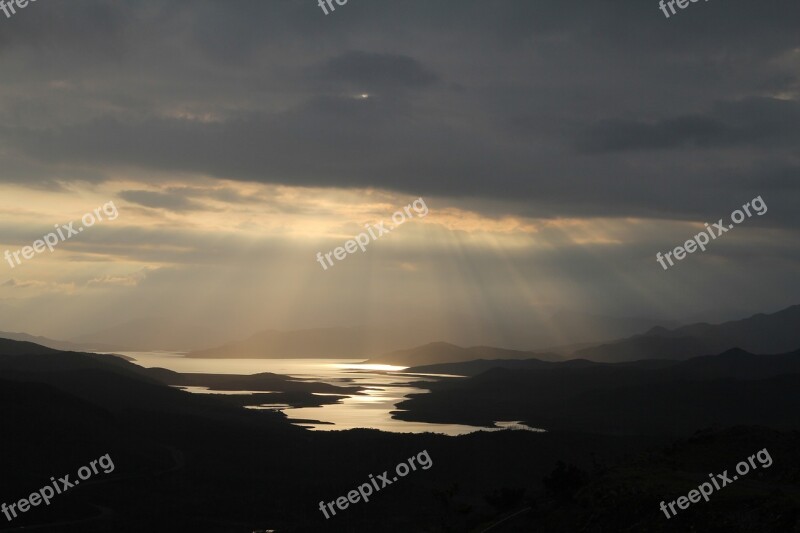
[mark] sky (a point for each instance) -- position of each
(557, 146)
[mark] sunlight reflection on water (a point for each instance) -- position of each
(386, 386)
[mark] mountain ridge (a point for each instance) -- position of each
(762, 333)
(445, 352)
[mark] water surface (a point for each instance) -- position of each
(385, 385)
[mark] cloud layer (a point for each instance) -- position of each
(556, 106)
(562, 144)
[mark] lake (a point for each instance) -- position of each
(386, 386)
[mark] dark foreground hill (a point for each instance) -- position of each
(188, 462)
(627, 496)
(196, 463)
(13, 347)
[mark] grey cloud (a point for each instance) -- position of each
(367, 72)
(690, 131)
(761, 122)
(482, 100)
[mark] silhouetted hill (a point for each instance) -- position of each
(443, 352)
(627, 496)
(478, 366)
(577, 327)
(672, 398)
(103, 380)
(175, 453)
(738, 364)
(265, 381)
(29, 357)
(473, 368)
(14, 347)
(774, 333)
(55, 344)
(552, 327)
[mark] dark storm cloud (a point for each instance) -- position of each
(375, 72)
(557, 109)
(330, 141)
(618, 135)
(757, 122)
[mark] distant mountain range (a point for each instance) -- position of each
(150, 334)
(574, 330)
(443, 352)
(57, 345)
(763, 333)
